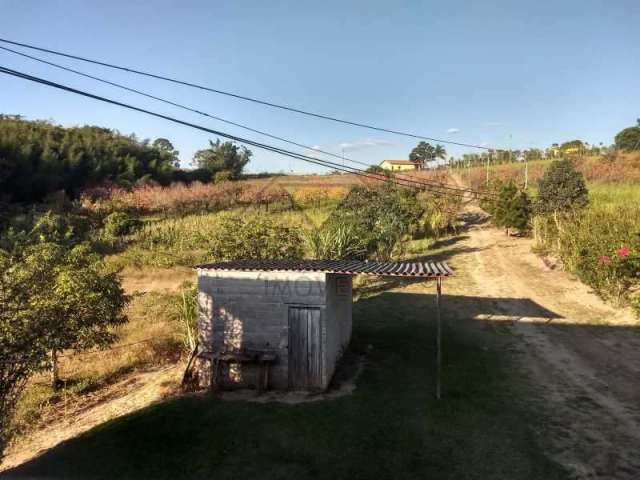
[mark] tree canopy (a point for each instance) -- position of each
(38, 158)
(561, 187)
(512, 209)
(55, 294)
(223, 157)
(629, 138)
(424, 153)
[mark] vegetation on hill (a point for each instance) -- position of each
(38, 158)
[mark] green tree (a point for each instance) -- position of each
(169, 153)
(38, 158)
(55, 294)
(21, 352)
(561, 188)
(422, 154)
(439, 152)
(512, 208)
(225, 156)
(78, 301)
(629, 138)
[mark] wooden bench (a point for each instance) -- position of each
(263, 359)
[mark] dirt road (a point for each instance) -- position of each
(583, 357)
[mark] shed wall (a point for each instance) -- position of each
(337, 331)
(249, 310)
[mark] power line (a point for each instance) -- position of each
(199, 112)
(402, 182)
(243, 97)
(325, 163)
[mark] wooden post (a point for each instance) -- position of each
(55, 378)
(438, 337)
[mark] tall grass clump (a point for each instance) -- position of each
(440, 213)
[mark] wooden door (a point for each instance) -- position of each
(304, 348)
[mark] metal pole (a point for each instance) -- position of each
(487, 162)
(438, 337)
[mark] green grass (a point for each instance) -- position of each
(614, 194)
(391, 427)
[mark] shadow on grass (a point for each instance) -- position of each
(390, 427)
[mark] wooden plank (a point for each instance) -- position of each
(305, 349)
(314, 363)
(296, 367)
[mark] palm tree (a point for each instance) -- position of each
(439, 152)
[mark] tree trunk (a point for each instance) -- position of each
(54, 369)
(558, 228)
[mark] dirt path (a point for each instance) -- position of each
(136, 391)
(583, 356)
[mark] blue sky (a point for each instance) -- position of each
(492, 72)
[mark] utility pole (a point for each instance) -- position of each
(487, 162)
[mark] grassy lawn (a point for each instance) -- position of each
(391, 427)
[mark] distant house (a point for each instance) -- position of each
(398, 165)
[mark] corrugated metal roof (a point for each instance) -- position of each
(347, 267)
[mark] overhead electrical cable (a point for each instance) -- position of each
(243, 97)
(299, 156)
(215, 117)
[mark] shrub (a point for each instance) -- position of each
(118, 224)
(512, 208)
(254, 236)
(379, 215)
(440, 213)
(561, 188)
(336, 240)
(223, 176)
(602, 246)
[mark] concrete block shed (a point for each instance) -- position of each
(282, 324)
